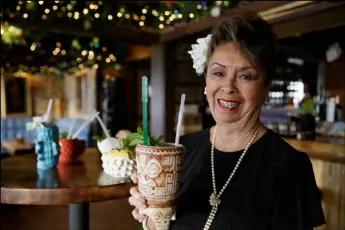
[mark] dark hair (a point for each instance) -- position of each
(253, 35)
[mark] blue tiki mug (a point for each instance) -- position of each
(47, 146)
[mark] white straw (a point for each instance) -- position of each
(49, 110)
(179, 122)
(105, 131)
(83, 126)
(103, 127)
(85, 117)
(71, 129)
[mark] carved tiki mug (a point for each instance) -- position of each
(47, 146)
(159, 171)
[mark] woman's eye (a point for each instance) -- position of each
(219, 74)
(245, 77)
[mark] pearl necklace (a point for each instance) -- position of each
(215, 198)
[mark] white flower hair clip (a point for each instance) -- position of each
(199, 53)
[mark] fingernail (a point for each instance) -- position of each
(144, 205)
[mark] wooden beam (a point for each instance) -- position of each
(118, 32)
(206, 23)
(312, 18)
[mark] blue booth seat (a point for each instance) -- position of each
(11, 128)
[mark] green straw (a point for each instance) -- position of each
(144, 98)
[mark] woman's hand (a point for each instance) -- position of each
(137, 200)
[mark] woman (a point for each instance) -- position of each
(259, 181)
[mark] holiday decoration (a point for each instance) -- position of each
(67, 51)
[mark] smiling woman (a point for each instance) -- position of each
(239, 175)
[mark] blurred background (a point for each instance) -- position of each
(88, 55)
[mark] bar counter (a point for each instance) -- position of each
(319, 150)
(329, 167)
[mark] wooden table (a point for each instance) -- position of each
(73, 184)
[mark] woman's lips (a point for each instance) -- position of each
(228, 105)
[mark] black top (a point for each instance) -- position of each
(274, 188)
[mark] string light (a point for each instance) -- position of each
(160, 19)
(76, 15)
(155, 13)
(164, 16)
(33, 47)
(69, 7)
(112, 57)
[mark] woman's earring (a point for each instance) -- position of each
(205, 92)
(267, 101)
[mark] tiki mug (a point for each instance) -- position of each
(71, 149)
(47, 146)
(158, 171)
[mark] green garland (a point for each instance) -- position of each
(152, 16)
